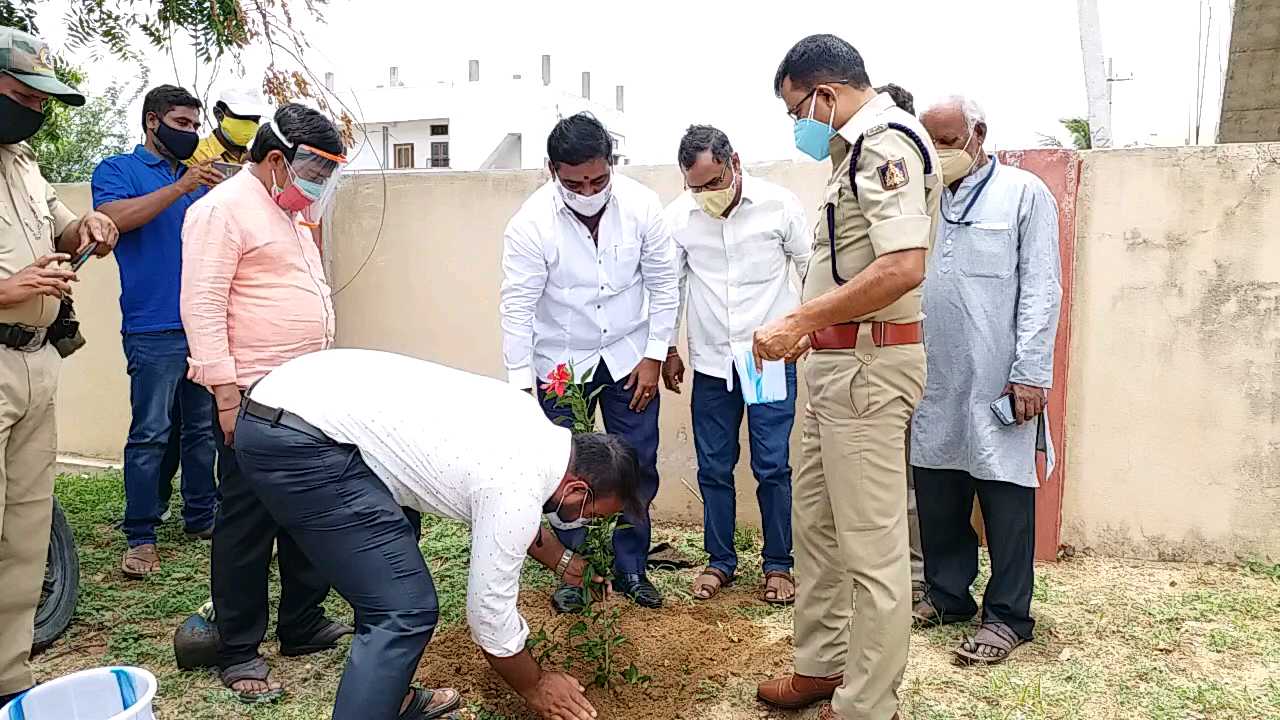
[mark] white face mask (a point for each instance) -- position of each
(586, 205)
(559, 523)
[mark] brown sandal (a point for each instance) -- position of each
(140, 561)
(996, 636)
(704, 589)
(777, 598)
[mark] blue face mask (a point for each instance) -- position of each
(813, 138)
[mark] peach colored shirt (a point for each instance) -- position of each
(253, 289)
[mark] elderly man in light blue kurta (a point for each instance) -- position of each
(991, 298)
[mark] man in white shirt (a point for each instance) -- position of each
(736, 239)
(337, 441)
(590, 280)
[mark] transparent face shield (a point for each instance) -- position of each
(315, 173)
(313, 176)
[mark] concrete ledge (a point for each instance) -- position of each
(70, 464)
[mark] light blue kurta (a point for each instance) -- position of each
(991, 298)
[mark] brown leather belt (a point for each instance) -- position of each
(845, 335)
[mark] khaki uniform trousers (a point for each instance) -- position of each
(28, 448)
(849, 518)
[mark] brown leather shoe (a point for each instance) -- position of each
(797, 691)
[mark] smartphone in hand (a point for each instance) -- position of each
(1003, 409)
(227, 169)
(83, 257)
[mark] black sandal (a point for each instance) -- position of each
(326, 638)
(418, 706)
(255, 669)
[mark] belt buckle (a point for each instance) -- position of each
(38, 336)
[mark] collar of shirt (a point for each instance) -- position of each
(867, 116)
(148, 157)
(970, 183)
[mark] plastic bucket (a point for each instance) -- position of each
(113, 693)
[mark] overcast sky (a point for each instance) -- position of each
(713, 61)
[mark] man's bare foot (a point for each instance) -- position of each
(251, 682)
(256, 687)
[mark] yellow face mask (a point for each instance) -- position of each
(239, 131)
(716, 202)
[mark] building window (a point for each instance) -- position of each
(439, 154)
(438, 130)
(404, 156)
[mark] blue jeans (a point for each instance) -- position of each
(717, 416)
(346, 521)
(157, 365)
(640, 430)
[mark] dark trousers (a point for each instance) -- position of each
(717, 417)
(640, 430)
(944, 499)
(344, 518)
(240, 567)
(157, 366)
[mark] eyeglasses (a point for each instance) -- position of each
(793, 112)
(711, 185)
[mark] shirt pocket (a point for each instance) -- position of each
(986, 250)
(626, 266)
(758, 257)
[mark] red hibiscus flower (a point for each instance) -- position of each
(558, 380)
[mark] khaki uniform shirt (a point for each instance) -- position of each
(893, 208)
(31, 217)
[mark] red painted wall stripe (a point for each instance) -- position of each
(1060, 170)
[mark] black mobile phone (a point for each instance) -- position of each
(227, 169)
(83, 257)
(1003, 408)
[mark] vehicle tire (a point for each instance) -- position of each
(61, 587)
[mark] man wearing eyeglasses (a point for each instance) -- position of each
(860, 313)
(992, 298)
(736, 239)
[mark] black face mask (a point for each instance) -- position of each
(17, 121)
(181, 144)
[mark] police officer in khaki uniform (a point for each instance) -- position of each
(38, 234)
(860, 315)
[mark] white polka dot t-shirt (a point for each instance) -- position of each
(445, 442)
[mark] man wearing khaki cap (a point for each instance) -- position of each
(38, 235)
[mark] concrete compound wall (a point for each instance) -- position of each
(1174, 383)
(1250, 103)
(1174, 426)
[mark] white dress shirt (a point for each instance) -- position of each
(565, 299)
(445, 442)
(733, 271)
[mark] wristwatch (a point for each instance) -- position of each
(563, 566)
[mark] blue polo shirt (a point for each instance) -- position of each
(150, 257)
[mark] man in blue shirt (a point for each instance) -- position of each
(147, 193)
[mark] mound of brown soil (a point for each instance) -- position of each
(684, 649)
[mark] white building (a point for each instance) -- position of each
(489, 124)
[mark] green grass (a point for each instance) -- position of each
(1115, 639)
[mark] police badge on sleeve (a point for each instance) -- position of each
(893, 174)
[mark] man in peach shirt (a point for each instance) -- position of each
(254, 296)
